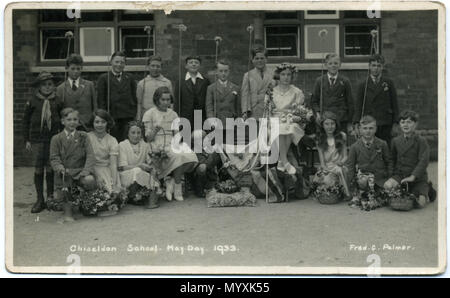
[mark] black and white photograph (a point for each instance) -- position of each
(225, 138)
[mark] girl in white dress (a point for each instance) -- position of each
(106, 151)
(287, 97)
(158, 130)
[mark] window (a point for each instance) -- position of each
(296, 34)
(96, 34)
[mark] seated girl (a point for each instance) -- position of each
(136, 174)
(158, 130)
(332, 149)
(106, 151)
(287, 100)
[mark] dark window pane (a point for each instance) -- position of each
(136, 15)
(311, 12)
(281, 41)
(54, 44)
(281, 15)
(352, 14)
(55, 15)
(358, 40)
(135, 42)
(97, 16)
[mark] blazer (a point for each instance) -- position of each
(253, 91)
(337, 98)
(192, 98)
(381, 101)
(32, 119)
(376, 160)
(75, 155)
(84, 99)
(123, 102)
(223, 101)
(411, 157)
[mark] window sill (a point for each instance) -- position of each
(318, 66)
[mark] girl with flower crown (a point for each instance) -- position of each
(288, 106)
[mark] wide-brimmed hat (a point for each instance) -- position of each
(43, 76)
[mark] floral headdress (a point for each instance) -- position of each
(284, 66)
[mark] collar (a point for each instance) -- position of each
(375, 77)
(68, 133)
(331, 76)
(409, 137)
(158, 78)
(197, 76)
(368, 143)
(77, 82)
(223, 83)
(116, 74)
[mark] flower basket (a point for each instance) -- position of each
(326, 188)
(400, 199)
(227, 186)
(101, 200)
(243, 198)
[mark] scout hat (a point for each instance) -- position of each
(43, 76)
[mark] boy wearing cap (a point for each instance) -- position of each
(41, 122)
(76, 92)
(193, 91)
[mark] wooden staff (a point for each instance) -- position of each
(108, 30)
(69, 36)
(181, 28)
(217, 39)
(322, 34)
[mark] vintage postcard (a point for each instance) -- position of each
(241, 137)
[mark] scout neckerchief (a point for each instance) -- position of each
(46, 115)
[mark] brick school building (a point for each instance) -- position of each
(407, 40)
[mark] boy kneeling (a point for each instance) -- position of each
(72, 159)
(411, 155)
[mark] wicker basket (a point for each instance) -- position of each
(329, 199)
(403, 203)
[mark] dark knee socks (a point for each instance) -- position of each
(39, 185)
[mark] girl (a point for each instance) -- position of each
(158, 130)
(287, 97)
(135, 171)
(106, 151)
(332, 148)
(40, 122)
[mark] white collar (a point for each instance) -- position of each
(331, 76)
(77, 82)
(198, 76)
(69, 133)
(223, 83)
(115, 73)
(160, 77)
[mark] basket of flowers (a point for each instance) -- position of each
(101, 200)
(227, 186)
(326, 187)
(400, 199)
(367, 195)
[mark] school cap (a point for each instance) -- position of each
(43, 76)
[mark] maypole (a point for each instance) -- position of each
(69, 36)
(181, 28)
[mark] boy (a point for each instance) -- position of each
(72, 158)
(118, 97)
(193, 91)
(411, 156)
(380, 99)
(337, 96)
(77, 93)
(146, 87)
(222, 98)
(255, 84)
(41, 122)
(370, 154)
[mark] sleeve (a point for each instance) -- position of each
(123, 156)
(358, 101)
(387, 157)
(394, 156)
(300, 97)
(209, 103)
(169, 85)
(94, 97)
(26, 121)
(102, 92)
(351, 162)
(147, 119)
(424, 158)
(349, 99)
(315, 97)
(140, 92)
(59, 92)
(113, 146)
(55, 155)
(394, 102)
(245, 94)
(133, 86)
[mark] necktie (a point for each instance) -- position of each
(332, 79)
(118, 76)
(46, 115)
(74, 86)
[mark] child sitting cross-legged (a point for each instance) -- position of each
(411, 155)
(72, 159)
(136, 172)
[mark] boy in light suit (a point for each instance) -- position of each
(222, 99)
(380, 99)
(76, 92)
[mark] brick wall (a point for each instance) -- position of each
(409, 44)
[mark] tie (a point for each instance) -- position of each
(332, 79)
(46, 115)
(118, 76)
(74, 86)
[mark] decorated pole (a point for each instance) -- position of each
(322, 34)
(181, 28)
(373, 49)
(250, 30)
(217, 39)
(108, 30)
(69, 36)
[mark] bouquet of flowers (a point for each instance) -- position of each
(367, 197)
(101, 200)
(227, 186)
(73, 195)
(326, 187)
(299, 114)
(400, 198)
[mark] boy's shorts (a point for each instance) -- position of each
(41, 154)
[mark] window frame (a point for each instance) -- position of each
(297, 41)
(76, 24)
(341, 22)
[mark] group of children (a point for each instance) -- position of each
(108, 133)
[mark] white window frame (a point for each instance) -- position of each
(128, 27)
(321, 16)
(319, 55)
(298, 39)
(41, 44)
(358, 24)
(96, 58)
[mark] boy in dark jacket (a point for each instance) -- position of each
(118, 97)
(40, 122)
(411, 157)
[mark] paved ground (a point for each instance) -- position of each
(298, 233)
